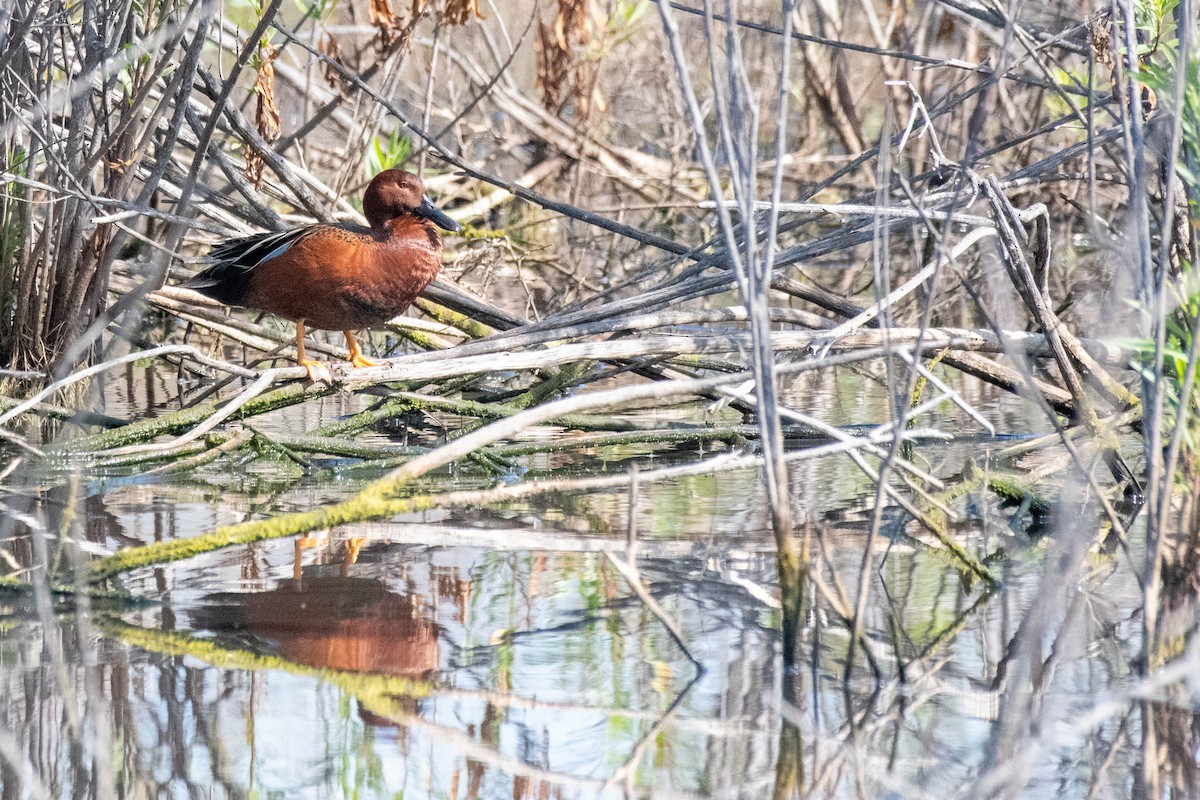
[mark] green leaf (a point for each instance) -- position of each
(387, 152)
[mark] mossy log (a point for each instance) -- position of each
(185, 419)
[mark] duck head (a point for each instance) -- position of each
(396, 192)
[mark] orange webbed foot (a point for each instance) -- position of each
(357, 358)
(317, 372)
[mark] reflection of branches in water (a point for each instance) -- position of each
(18, 769)
(1047, 638)
(625, 773)
(384, 696)
(1021, 691)
(584, 619)
(867, 717)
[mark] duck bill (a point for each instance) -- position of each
(435, 215)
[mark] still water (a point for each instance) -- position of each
(501, 653)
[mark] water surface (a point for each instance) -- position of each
(499, 651)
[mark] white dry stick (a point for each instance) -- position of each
(902, 291)
(446, 365)
(249, 393)
(752, 270)
(455, 742)
(950, 393)
(96, 369)
(857, 210)
(22, 374)
(918, 108)
(510, 426)
(878, 435)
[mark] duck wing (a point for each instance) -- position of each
(227, 280)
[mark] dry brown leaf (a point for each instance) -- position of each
(267, 113)
(329, 48)
(1100, 34)
(266, 116)
(460, 12)
(566, 73)
(388, 27)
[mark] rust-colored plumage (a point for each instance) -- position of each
(336, 277)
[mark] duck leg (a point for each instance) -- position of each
(316, 370)
(356, 354)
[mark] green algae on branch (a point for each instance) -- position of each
(495, 411)
(10, 585)
(366, 505)
(356, 423)
(439, 313)
(1008, 486)
(347, 448)
(1016, 489)
(185, 419)
(736, 434)
(420, 339)
(555, 382)
(954, 555)
(174, 643)
(379, 500)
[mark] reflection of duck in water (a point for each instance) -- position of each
(352, 624)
